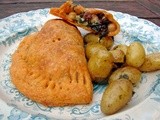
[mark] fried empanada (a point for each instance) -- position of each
(50, 67)
(94, 20)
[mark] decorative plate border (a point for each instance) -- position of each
(13, 29)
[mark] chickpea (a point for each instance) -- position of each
(72, 15)
(79, 9)
(111, 27)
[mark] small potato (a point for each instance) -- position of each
(91, 37)
(118, 56)
(121, 47)
(129, 73)
(106, 41)
(100, 65)
(135, 55)
(151, 63)
(116, 96)
(93, 48)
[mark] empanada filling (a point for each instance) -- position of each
(96, 21)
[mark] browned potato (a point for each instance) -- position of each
(100, 65)
(151, 63)
(121, 47)
(106, 41)
(118, 56)
(135, 55)
(116, 96)
(91, 37)
(93, 48)
(129, 73)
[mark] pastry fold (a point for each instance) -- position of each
(50, 68)
(94, 20)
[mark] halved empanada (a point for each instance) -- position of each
(94, 20)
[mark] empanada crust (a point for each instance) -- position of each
(50, 67)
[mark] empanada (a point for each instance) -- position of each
(94, 20)
(49, 66)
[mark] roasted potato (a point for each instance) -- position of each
(118, 56)
(93, 48)
(151, 63)
(135, 55)
(100, 65)
(106, 41)
(121, 47)
(129, 73)
(116, 96)
(91, 37)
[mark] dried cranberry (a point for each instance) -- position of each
(105, 21)
(87, 16)
(100, 15)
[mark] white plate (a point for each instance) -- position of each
(145, 104)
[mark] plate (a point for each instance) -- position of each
(145, 103)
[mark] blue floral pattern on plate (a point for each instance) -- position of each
(17, 107)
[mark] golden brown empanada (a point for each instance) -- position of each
(50, 67)
(94, 20)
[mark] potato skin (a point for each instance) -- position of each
(105, 41)
(135, 55)
(100, 65)
(151, 63)
(121, 47)
(116, 96)
(91, 37)
(93, 48)
(118, 56)
(128, 72)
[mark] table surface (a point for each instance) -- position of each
(146, 9)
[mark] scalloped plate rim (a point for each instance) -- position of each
(118, 114)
